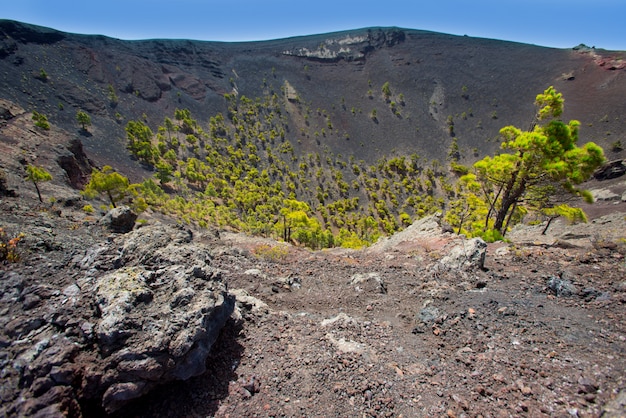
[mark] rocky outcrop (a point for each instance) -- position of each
(349, 47)
(75, 163)
(611, 170)
(371, 282)
(145, 308)
(160, 311)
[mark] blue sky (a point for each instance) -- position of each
(554, 23)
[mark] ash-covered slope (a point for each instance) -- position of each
(440, 86)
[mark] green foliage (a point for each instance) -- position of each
(37, 175)
(83, 119)
(572, 214)
(247, 173)
(164, 171)
(271, 253)
(534, 165)
(459, 169)
(139, 137)
(41, 120)
(107, 182)
(386, 90)
(491, 235)
(43, 75)
(113, 99)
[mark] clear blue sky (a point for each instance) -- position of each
(554, 23)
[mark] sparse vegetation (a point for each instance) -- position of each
(8, 247)
(41, 121)
(112, 95)
(271, 252)
(386, 90)
(42, 75)
(37, 175)
(244, 172)
(83, 119)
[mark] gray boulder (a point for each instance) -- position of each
(120, 220)
(467, 255)
(160, 311)
(369, 282)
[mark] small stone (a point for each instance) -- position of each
(368, 395)
(63, 374)
(587, 386)
(428, 314)
(590, 397)
(41, 385)
(253, 385)
(30, 301)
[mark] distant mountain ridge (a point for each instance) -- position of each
(478, 85)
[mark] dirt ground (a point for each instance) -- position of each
(412, 339)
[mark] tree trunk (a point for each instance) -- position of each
(111, 198)
(491, 205)
(508, 219)
(511, 197)
(38, 192)
(550, 219)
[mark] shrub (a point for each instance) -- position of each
(37, 175)
(8, 247)
(491, 235)
(41, 120)
(267, 252)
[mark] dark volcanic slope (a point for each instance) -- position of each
(479, 85)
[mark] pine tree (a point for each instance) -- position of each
(37, 175)
(546, 154)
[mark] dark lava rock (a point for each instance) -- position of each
(121, 220)
(562, 287)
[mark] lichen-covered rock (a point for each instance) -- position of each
(467, 255)
(370, 282)
(160, 313)
(144, 308)
(562, 287)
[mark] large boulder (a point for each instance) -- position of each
(143, 309)
(120, 220)
(467, 255)
(160, 311)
